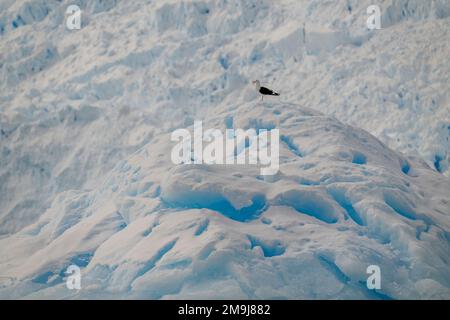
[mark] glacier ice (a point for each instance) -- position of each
(86, 176)
(153, 229)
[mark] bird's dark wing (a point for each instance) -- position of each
(268, 92)
(265, 91)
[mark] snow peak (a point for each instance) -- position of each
(189, 310)
(229, 149)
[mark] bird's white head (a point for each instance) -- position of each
(257, 84)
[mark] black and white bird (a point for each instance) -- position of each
(263, 90)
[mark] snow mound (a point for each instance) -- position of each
(162, 231)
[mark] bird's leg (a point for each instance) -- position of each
(262, 97)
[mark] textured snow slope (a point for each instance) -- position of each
(144, 65)
(76, 105)
(342, 201)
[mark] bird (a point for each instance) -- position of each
(263, 90)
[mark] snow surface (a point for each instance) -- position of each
(86, 175)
